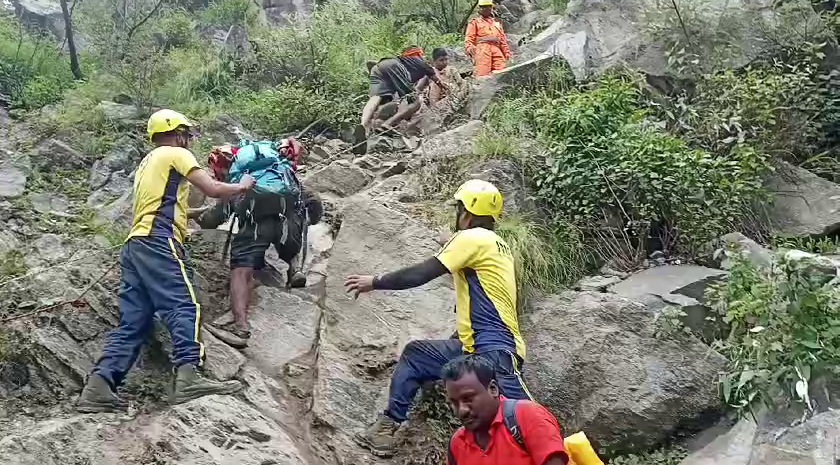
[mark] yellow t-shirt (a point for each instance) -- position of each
(160, 193)
(485, 291)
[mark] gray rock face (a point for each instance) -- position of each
(43, 202)
(124, 115)
(54, 153)
(12, 181)
(509, 179)
(486, 87)
(810, 443)
(596, 283)
(450, 143)
(42, 14)
(596, 34)
(804, 204)
(360, 340)
(213, 430)
(680, 285)
(339, 177)
(595, 362)
(123, 157)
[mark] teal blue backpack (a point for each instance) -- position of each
(275, 179)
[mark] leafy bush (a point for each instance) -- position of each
(785, 331)
(229, 13)
(282, 109)
(32, 73)
(448, 16)
(607, 165)
(665, 456)
(178, 28)
(12, 264)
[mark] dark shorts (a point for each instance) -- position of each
(248, 246)
(390, 77)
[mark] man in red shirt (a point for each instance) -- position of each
(484, 439)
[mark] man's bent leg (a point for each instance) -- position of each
(369, 109)
(508, 374)
(421, 361)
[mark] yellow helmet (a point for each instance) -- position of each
(485, 2)
(165, 121)
(480, 198)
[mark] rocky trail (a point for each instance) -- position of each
(318, 366)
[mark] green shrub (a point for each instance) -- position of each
(823, 245)
(665, 456)
(785, 331)
(606, 163)
(282, 109)
(448, 16)
(229, 13)
(32, 73)
(178, 28)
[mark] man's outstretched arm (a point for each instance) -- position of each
(405, 278)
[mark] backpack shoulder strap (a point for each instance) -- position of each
(509, 416)
(450, 455)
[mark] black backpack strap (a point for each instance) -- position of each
(509, 415)
(450, 455)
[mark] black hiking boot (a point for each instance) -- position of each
(98, 397)
(296, 280)
(359, 140)
(189, 385)
(379, 437)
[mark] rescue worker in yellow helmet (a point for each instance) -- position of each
(155, 275)
(481, 264)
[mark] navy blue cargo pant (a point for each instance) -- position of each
(154, 278)
(422, 361)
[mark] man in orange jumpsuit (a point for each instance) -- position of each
(486, 42)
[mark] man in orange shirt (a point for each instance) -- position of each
(486, 42)
(485, 438)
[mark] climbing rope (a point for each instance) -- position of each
(38, 271)
(77, 302)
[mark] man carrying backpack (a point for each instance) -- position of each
(277, 212)
(497, 430)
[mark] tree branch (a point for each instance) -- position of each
(143, 21)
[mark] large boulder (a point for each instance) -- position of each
(597, 34)
(594, 360)
(804, 204)
(812, 442)
(44, 15)
(361, 339)
(683, 287)
(53, 153)
(12, 181)
(451, 143)
(213, 430)
(510, 180)
(531, 71)
(340, 177)
(123, 157)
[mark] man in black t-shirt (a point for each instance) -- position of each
(404, 76)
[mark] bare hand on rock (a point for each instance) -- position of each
(358, 284)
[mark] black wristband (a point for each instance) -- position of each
(375, 281)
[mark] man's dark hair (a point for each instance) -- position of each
(480, 366)
(439, 53)
(486, 222)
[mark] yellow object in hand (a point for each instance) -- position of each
(580, 450)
